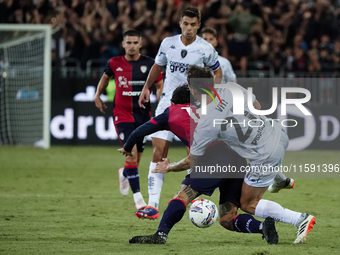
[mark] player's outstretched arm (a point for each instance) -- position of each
(139, 133)
(102, 84)
(165, 166)
(153, 75)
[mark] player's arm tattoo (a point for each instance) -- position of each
(184, 164)
(181, 165)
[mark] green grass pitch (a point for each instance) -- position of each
(66, 201)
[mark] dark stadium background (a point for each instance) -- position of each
(295, 40)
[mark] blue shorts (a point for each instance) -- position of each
(124, 130)
(230, 189)
(229, 184)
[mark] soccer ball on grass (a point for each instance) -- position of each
(203, 213)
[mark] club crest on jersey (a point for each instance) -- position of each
(122, 81)
(143, 69)
(184, 53)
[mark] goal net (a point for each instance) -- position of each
(25, 84)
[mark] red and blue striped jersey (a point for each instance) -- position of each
(130, 77)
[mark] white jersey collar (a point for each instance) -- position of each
(180, 39)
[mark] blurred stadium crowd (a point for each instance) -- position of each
(289, 35)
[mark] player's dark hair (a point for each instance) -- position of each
(191, 12)
(209, 30)
(132, 32)
(181, 95)
(198, 76)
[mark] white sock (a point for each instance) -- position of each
(155, 183)
(137, 196)
(267, 208)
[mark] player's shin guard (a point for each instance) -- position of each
(266, 208)
(155, 183)
(173, 214)
(131, 172)
(246, 223)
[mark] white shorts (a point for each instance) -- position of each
(262, 174)
(164, 102)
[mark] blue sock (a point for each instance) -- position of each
(173, 214)
(131, 172)
(246, 223)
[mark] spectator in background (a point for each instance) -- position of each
(289, 59)
(109, 48)
(300, 60)
(337, 46)
(241, 22)
(256, 28)
(314, 64)
(336, 61)
(277, 58)
(299, 42)
(325, 61)
(325, 43)
(314, 46)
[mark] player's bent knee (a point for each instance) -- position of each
(248, 207)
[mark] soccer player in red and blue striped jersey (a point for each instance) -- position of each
(130, 73)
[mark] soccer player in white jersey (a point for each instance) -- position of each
(210, 35)
(176, 53)
(263, 143)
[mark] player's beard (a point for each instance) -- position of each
(132, 54)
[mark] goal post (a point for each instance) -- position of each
(25, 84)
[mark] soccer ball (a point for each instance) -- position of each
(203, 213)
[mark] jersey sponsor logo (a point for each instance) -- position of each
(143, 69)
(136, 83)
(184, 53)
(119, 69)
(258, 135)
(122, 81)
(178, 66)
(131, 93)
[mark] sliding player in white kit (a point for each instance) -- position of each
(176, 53)
(210, 35)
(263, 142)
